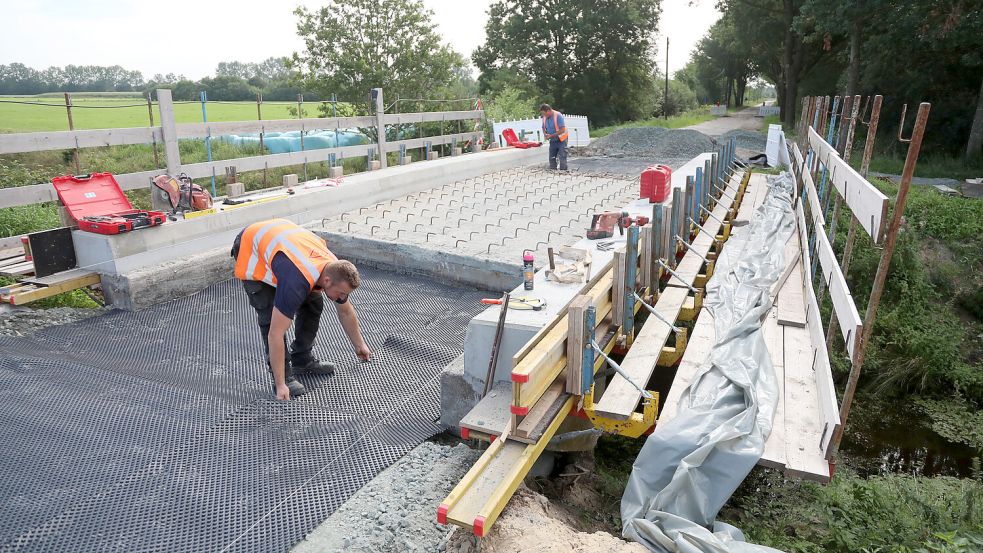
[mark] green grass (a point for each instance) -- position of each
(935, 166)
(685, 119)
(49, 114)
(893, 513)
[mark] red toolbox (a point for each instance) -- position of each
(98, 204)
(656, 183)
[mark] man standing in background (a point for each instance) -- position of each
(555, 129)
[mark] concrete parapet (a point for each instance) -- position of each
(127, 254)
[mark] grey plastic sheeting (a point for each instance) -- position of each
(157, 430)
(691, 465)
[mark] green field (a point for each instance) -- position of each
(47, 113)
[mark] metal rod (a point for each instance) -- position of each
(914, 147)
(699, 226)
(690, 248)
(679, 278)
(496, 345)
(708, 212)
(617, 368)
(658, 315)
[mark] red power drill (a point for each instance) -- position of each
(602, 224)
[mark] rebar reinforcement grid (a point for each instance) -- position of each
(157, 430)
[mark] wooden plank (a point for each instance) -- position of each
(433, 140)
(576, 314)
(256, 163)
(868, 204)
(19, 269)
(698, 347)
(618, 286)
(491, 414)
(812, 196)
(15, 143)
(820, 363)
(534, 424)
(774, 453)
(432, 116)
(791, 307)
(621, 398)
(199, 130)
(31, 292)
(839, 292)
(803, 431)
(541, 365)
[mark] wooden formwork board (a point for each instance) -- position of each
(22, 293)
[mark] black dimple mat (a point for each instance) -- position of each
(157, 430)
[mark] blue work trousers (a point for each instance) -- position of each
(558, 151)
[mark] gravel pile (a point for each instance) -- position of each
(397, 510)
(749, 140)
(654, 143)
(18, 321)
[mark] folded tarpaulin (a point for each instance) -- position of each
(691, 465)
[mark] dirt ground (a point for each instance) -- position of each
(532, 523)
(745, 119)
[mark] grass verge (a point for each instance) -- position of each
(685, 119)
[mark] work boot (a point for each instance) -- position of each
(321, 368)
(295, 387)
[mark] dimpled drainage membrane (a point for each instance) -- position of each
(157, 431)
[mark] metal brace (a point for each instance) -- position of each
(710, 213)
(690, 248)
(673, 273)
(617, 368)
(652, 310)
(722, 193)
(699, 226)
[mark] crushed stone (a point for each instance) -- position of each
(748, 140)
(656, 143)
(397, 510)
(20, 321)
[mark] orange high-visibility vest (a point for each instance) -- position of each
(561, 137)
(263, 240)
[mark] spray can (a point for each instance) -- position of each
(528, 272)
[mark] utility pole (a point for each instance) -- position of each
(665, 94)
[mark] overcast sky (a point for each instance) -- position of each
(191, 37)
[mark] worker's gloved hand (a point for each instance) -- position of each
(282, 392)
(363, 352)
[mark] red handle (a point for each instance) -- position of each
(491, 301)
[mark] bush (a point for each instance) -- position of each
(681, 98)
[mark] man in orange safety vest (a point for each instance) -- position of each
(555, 129)
(285, 269)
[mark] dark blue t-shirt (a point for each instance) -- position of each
(292, 287)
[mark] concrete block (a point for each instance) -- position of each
(149, 286)
(445, 267)
(405, 160)
(457, 151)
(235, 189)
(434, 154)
(289, 181)
(335, 172)
(375, 165)
(493, 145)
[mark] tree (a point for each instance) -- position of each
(590, 56)
(723, 61)
(352, 46)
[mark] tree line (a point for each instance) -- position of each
(233, 81)
(908, 50)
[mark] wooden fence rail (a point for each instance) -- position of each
(169, 132)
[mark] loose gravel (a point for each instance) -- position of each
(658, 144)
(397, 510)
(749, 140)
(18, 321)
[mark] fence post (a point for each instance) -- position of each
(172, 156)
(71, 127)
(150, 112)
(380, 125)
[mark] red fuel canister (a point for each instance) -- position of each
(656, 183)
